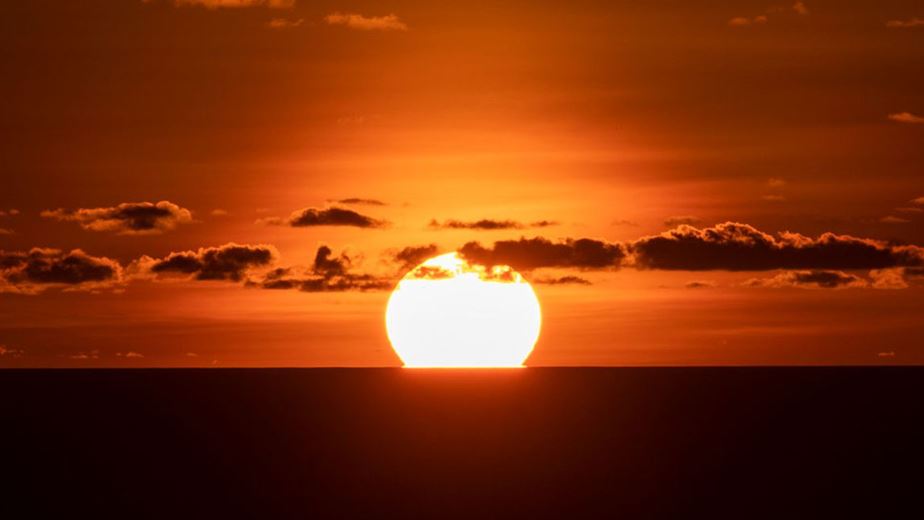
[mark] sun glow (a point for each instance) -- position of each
(447, 312)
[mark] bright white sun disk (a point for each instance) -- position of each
(449, 313)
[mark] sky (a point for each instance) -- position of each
(242, 182)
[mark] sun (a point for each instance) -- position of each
(447, 312)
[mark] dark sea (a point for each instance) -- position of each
(516, 443)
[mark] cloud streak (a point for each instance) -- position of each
(810, 279)
(489, 224)
(905, 24)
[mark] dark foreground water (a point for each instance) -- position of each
(550, 443)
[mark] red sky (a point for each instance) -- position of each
(137, 130)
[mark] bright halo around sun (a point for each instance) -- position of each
(447, 312)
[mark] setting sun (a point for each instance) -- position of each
(447, 312)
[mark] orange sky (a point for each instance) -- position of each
(613, 121)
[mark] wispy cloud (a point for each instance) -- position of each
(798, 8)
(905, 24)
(906, 117)
(743, 21)
(10, 352)
(389, 22)
(232, 4)
(284, 23)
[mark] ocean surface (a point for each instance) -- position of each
(516, 443)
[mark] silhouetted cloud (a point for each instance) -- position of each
(892, 219)
(228, 262)
(309, 217)
(389, 22)
(40, 268)
(818, 279)
(682, 219)
(129, 218)
(734, 246)
(562, 280)
(9, 212)
(906, 117)
(532, 253)
(360, 201)
(328, 273)
(489, 224)
(700, 284)
(905, 24)
(409, 257)
(5, 231)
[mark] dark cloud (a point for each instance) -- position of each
(681, 220)
(359, 201)
(700, 284)
(533, 253)
(817, 278)
(33, 271)
(489, 224)
(411, 256)
(327, 264)
(428, 272)
(740, 247)
(129, 218)
(309, 217)
(328, 273)
(228, 262)
(563, 280)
